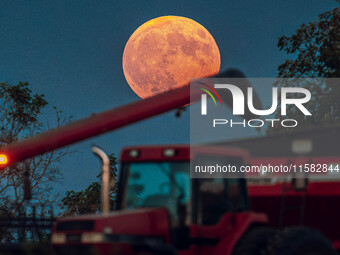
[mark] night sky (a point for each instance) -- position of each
(71, 51)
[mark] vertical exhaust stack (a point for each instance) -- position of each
(105, 184)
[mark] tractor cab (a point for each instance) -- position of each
(160, 177)
(160, 209)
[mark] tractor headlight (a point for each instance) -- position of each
(92, 237)
(58, 238)
(134, 153)
(169, 153)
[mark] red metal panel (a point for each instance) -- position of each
(183, 152)
(229, 230)
(98, 124)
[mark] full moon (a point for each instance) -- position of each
(166, 52)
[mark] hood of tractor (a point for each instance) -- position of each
(137, 222)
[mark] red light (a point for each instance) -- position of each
(3, 160)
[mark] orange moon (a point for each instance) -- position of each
(166, 52)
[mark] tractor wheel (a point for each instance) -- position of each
(255, 241)
(300, 241)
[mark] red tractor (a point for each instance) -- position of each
(161, 210)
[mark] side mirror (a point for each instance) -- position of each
(27, 186)
(27, 183)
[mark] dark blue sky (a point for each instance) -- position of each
(71, 51)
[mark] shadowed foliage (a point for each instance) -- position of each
(29, 181)
(88, 200)
(315, 51)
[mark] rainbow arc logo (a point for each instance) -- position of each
(204, 97)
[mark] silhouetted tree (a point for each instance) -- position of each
(315, 51)
(20, 117)
(88, 200)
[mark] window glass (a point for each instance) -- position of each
(158, 184)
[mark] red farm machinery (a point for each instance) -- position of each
(160, 209)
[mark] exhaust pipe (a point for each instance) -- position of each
(105, 185)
